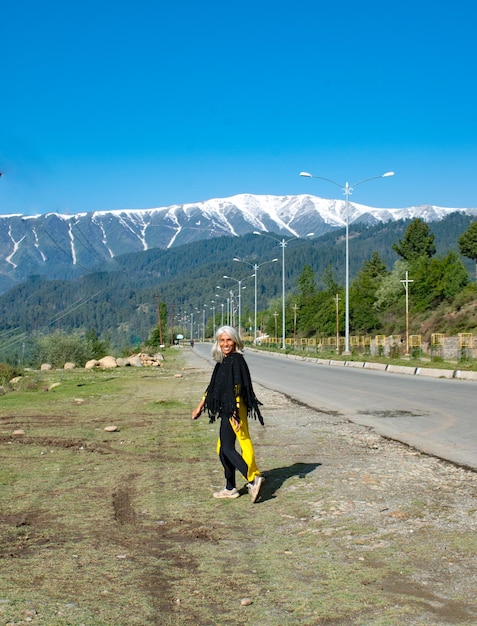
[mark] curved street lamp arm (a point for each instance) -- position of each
(372, 178)
(261, 234)
(333, 182)
(282, 242)
(346, 188)
(255, 266)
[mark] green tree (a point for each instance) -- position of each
(325, 317)
(158, 334)
(306, 300)
(97, 347)
(363, 295)
(418, 241)
(328, 278)
(306, 283)
(390, 288)
(437, 280)
(468, 244)
(272, 319)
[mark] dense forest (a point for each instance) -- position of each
(182, 288)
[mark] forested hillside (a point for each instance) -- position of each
(121, 302)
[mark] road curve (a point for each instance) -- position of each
(436, 416)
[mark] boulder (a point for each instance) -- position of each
(69, 366)
(108, 362)
(142, 358)
(45, 367)
(91, 364)
(111, 429)
(122, 362)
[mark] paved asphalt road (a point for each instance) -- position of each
(436, 416)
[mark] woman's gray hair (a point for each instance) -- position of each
(217, 353)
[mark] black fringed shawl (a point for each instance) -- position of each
(231, 379)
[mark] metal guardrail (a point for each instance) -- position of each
(461, 346)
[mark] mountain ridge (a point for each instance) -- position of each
(62, 246)
(120, 300)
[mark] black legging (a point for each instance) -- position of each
(229, 457)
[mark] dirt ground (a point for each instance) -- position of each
(425, 507)
(347, 522)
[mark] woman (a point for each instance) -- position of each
(230, 397)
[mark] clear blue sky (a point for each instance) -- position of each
(109, 105)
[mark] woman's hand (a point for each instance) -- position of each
(235, 423)
(198, 410)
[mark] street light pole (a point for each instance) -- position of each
(283, 244)
(227, 300)
(347, 190)
(255, 267)
(213, 319)
(239, 282)
(337, 299)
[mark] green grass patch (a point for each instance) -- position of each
(119, 528)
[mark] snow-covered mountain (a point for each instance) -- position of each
(56, 245)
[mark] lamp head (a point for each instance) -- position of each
(306, 174)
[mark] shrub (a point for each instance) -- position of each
(7, 372)
(59, 348)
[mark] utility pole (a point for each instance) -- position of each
(406, 287)
(172, 325)
(295, 309)
(159, 319)
(336, 301)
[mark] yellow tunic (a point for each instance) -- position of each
(245, 442)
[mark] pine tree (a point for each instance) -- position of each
(468, 244)
(363, 314)
(418, 241)
(306, 299)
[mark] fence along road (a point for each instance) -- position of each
(436, 416)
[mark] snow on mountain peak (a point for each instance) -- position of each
(45, 243)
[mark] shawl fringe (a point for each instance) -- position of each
(231, 379)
